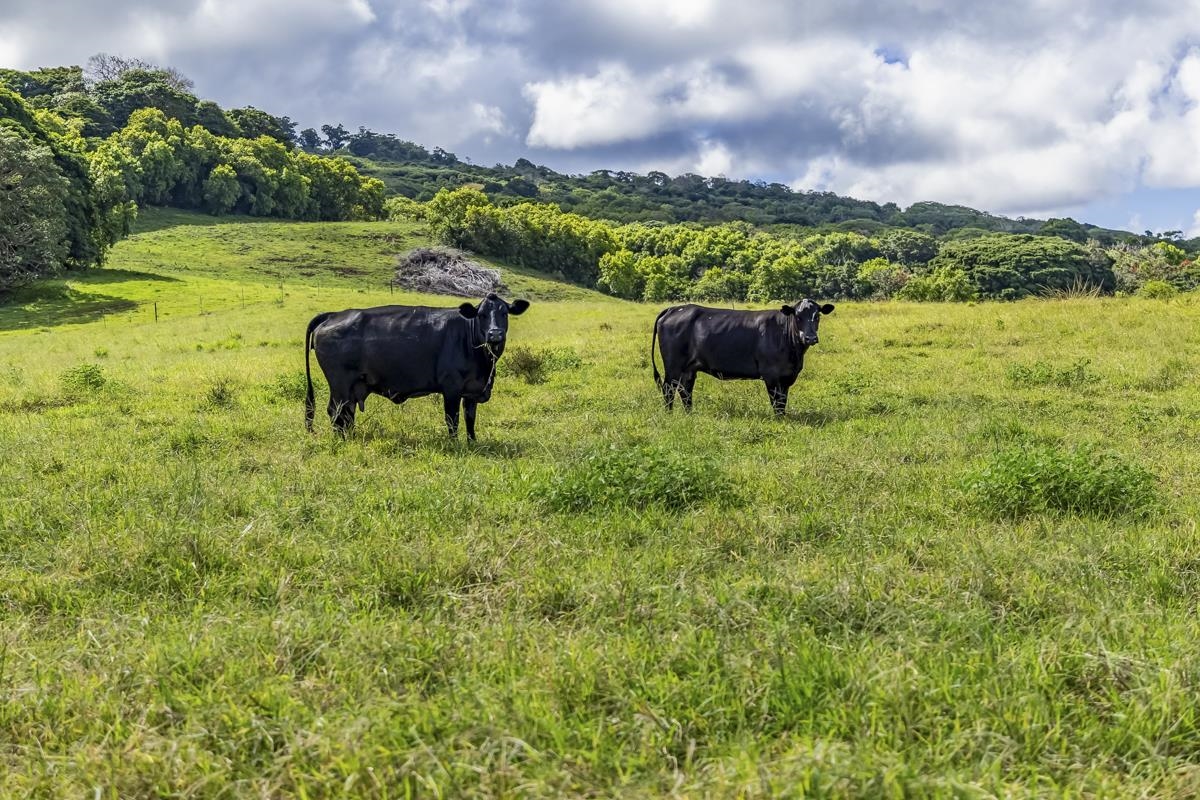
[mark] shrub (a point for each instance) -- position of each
(944, 284)
(1031, 479)
(637, 477)
(83, 378)
(1157, 290)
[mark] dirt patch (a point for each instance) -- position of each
(444, 270)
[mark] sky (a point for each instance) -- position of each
(1025, 108)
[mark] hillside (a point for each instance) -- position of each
(907, 586)
(632, 197)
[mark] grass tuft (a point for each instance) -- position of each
(637, 477)
(1042, 373)
(535, 365)
(83, 378)
(1032, 479)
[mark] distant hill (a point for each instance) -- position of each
(409, 169)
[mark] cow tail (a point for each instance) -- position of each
(653, 338)
(310, 406)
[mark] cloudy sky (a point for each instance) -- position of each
(1034, 107)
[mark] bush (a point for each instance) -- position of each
(83, 378)
(1033, 479)
(1157, 290)
(942, 285)
(637, 477)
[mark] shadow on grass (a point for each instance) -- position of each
(157, 218)
(59, 303)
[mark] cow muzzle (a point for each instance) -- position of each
(809, 341)
(495, 336)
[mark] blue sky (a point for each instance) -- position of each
(1030, 107)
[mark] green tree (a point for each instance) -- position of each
(221, 189)
(335, 136)
(309, 139)
(253, 123)
(1010, 267)
(33, 217)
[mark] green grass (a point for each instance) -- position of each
(199, 599)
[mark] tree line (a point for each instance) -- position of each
(738, 262)
(81, 150)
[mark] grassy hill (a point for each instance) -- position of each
(928, 579)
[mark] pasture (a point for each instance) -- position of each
(965, 564)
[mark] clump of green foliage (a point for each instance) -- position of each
(1043, 373)
(1031, 479)
(1158, 290)
(83, 378)
(736, 262)
(535, 365)
(637, 477)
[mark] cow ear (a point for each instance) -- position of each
(788, 311)
(518, 307)
(827, 308)
(469, 311)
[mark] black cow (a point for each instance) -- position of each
(728, 344)
(400, 352)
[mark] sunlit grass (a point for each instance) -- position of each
(199, 599)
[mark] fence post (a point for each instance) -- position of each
(156, 311)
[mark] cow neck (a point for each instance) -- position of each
(795, 335)
(489, 355)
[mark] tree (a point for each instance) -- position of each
(140, 88)
(33, 223)
(210, 116)
(1008, 267)
(103, 67)
(253, 123)
(309, 139)
(335, 136)
(221, 189)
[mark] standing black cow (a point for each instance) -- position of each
(728, 344)
(400, 352)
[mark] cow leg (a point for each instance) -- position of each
(469, 407)
(668, 390)
(341, 413)
(687, 382)
(779, 396)
(450, 403)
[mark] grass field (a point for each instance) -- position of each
(965, 564)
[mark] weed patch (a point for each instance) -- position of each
(83, 378)
(289, 386)
(638, 477)
(535, 366)
(1032, 479)
(1042, 373)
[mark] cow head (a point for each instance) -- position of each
(806, 316)
(491, 319)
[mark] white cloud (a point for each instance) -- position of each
(715, 159)
(1034, 105)
(1192, 231)
(10, 45)
(610, 106)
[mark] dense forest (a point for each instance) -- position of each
(81, 149)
